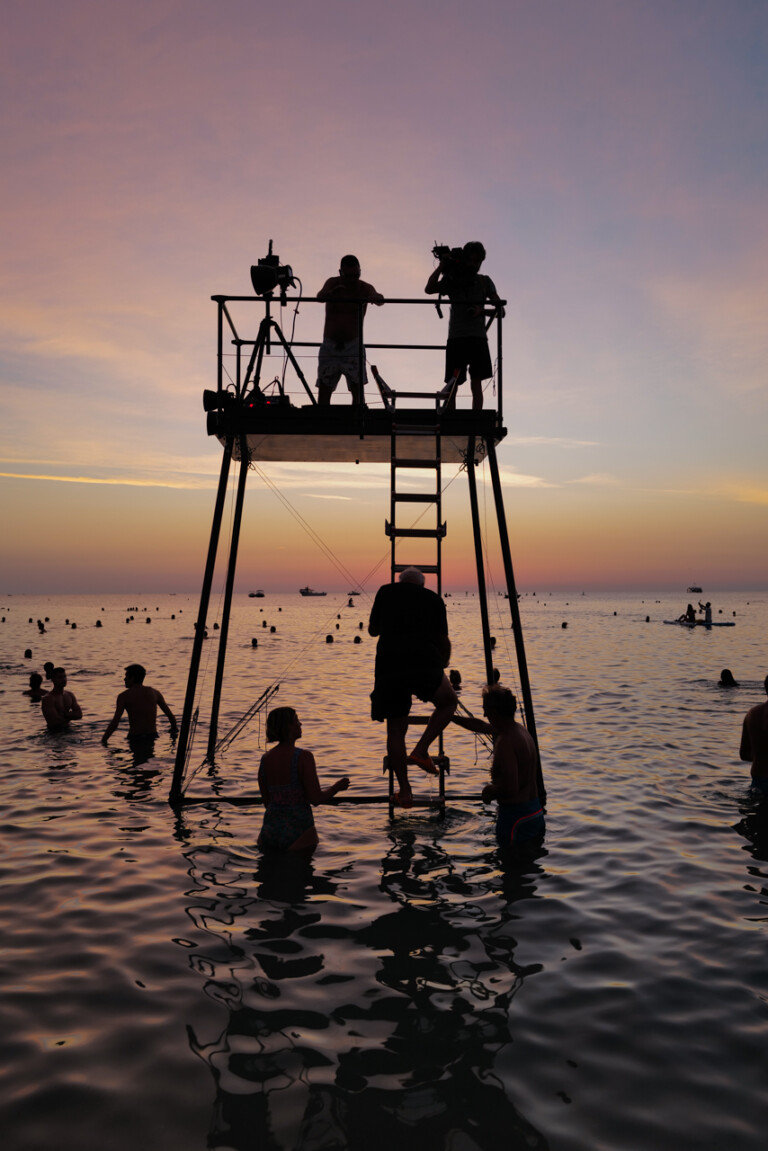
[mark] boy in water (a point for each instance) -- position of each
(519, 818)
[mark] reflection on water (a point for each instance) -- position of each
(403, 987)
(351, 1029)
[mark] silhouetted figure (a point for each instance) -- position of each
(688, 616)
(754, 743)
(412, 651)
(141, 703)
(339, 353)
(36, 691)
(519, 819)
(726, 678)
(59, 706)
(707, 609)
(467, 345)
(289, 787)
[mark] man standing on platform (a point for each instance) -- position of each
(343, 332)
(457, 276)
(413, 649)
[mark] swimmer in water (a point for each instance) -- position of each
(754, 743)
(59, 706)
(290, 788)
(519, 817)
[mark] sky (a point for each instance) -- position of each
(610, 154)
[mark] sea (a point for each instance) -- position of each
(165, 987)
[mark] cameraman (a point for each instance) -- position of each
(340, 350)
(457, 276)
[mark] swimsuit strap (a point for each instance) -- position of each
(294, 781)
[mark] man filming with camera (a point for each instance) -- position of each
(458, 277)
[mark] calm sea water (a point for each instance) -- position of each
(165, 987)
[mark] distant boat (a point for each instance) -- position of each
(310, 591)
(353, 593)
(695, 590)
(256, 594)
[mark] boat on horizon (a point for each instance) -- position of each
(695, 590)
(256, 594)
(310, 591)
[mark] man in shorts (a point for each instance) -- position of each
(467, 346)
(754, 743)
(413, 648)
(340, 350)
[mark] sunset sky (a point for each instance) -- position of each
(610, 154)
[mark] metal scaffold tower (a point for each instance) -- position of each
(416, 432)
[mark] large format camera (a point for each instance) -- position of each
(269, 274)
(454, 261)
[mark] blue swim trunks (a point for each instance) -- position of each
(520, 825)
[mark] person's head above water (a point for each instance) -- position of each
(35, 681)
(412, 575)
(726, 678)
(499, 701)
(280, 724)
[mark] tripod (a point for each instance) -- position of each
(263, 343)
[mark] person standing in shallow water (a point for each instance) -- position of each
(519, 818)
(754, 742)
(141, 702)
(339, 353)
(59, 706)
(289, 787)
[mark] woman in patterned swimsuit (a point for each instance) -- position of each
(289, 786)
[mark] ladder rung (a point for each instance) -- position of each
(410, 463)
(415, 533)
(428, 569)
(415, 497)
(415, 429)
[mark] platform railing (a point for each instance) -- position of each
(269, 336)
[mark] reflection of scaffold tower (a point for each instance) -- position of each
(416, 437)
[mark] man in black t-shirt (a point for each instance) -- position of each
(467, 346)
(413, 649)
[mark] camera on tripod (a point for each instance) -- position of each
(269, 274)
